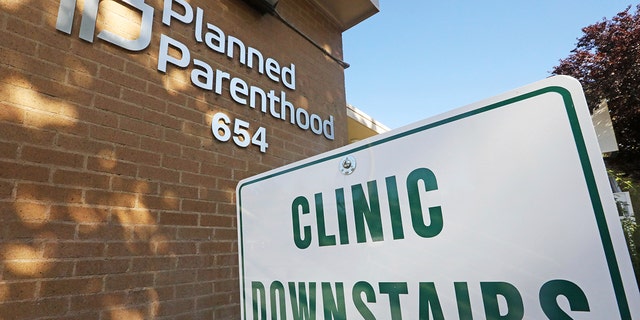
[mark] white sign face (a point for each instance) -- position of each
(497, 210)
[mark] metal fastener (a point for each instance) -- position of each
(348, 165)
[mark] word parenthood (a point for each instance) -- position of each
(206, 77)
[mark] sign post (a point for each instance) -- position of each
(497, 210)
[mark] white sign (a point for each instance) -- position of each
(497, 210)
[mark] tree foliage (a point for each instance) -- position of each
(606, 61)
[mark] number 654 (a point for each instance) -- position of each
(221, 126)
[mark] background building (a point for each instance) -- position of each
(124, 129)
(361, 126)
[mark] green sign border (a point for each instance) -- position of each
(598, 209)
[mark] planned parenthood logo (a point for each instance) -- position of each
(176, 54)
(66, 14)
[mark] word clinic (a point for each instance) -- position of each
(367, 213)
(205, 77)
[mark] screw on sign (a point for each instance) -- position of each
(348, 165)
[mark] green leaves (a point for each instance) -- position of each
(606, 60)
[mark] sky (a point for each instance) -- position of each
(416, 58)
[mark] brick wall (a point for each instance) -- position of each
(116, 201)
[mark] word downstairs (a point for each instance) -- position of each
(390, 300)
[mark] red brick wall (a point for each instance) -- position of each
(116, 201)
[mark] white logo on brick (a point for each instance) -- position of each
(88, 23)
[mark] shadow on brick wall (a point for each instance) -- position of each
(108, 210)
